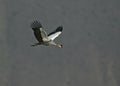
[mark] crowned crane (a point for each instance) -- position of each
(42, 37)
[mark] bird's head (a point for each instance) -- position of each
(59, 45)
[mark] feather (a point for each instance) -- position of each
(55, 33)
(36, 28)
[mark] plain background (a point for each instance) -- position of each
(91, 45)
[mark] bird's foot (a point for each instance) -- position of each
(35, 44)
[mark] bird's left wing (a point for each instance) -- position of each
(55, 33)
(38, 31)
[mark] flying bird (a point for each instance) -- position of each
(42, 37)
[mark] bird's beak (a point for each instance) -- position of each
(59, 46)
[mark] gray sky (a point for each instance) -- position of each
(90, 39)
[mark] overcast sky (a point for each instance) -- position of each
(91, 45)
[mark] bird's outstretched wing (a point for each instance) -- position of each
(55, 33)
(38, 31)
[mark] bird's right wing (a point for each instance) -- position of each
(55, 33)
(38, 31)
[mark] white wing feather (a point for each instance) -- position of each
(53, 36)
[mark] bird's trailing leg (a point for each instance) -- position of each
(35, 44)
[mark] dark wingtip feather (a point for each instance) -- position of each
(35, 24)
(60, 28)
